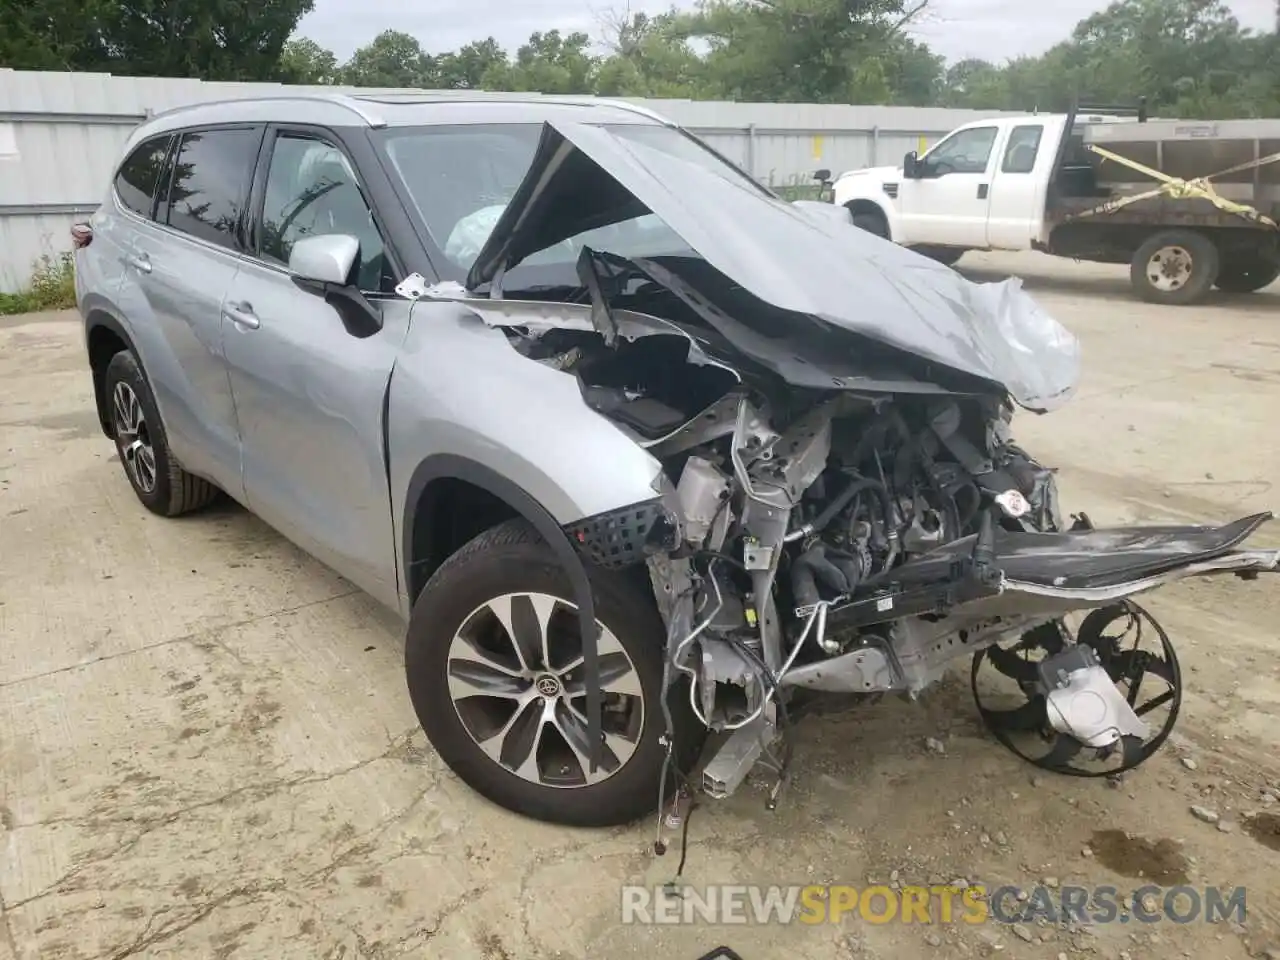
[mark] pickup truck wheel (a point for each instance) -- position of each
(1247, 277)
(154, 473)
(493, 659)
(1175, 267)
(948, 256)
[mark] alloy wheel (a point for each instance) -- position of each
(134, 437)
(515, 675)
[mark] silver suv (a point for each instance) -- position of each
(638, 449)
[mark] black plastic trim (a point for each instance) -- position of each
(617, 539)
(449, 466)
(100, 317)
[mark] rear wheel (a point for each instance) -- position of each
(1247, 277)
(157, 478)
(493, 659)
(1175, 267)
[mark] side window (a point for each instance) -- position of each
(210, 182)
(312, 190)
(965, 152)
(136, 180)
(1024, 145)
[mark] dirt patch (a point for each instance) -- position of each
(1265, 828)
(1160, 861)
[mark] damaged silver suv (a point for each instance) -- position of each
(651, 460)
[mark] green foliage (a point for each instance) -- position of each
(52, 287)
(208, 39)
(1190, 58)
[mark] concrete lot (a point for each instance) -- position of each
(206, 748)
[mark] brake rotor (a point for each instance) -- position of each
(1116, 633)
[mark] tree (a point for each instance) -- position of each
(208, 39)
(1190, 58)
(466, 68)
(822, 51)
(48, 34)
(305, 61)
(547, 63)
(392, 59)
(651, 57)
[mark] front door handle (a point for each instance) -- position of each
(140, 263)
(982, 191)
(242, 315)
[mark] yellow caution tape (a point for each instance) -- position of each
(1178, 189)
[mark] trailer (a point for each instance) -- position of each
(1189, 205)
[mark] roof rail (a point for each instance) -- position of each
(337, 99)
(486, 96)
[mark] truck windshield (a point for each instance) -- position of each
(460, 179)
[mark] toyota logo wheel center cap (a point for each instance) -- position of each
(548, 686)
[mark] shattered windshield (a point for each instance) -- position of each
(460, 179)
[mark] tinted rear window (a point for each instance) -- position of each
(136, 181)
(210, 184)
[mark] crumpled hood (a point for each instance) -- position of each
(584, 177)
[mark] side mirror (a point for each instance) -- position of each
(911, 166)
(324, 259)
(822, 176)
(323, 265)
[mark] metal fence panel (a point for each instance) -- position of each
(61, 135)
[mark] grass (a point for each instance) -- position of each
(52, 287)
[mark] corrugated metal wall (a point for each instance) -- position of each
(61, 135)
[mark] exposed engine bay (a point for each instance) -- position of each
(819, 547)
(842, 511)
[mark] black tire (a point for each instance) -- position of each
(512, 558)
(872, 223)
(173, 490)
(948, 256)
(1202, 274)
(1247, 276)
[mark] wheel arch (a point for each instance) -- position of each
(105, 336)
(425, 496)
(864, 206)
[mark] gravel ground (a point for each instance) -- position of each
(206, 748)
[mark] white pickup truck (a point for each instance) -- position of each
(1088, 186)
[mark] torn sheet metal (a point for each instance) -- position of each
(824, 271)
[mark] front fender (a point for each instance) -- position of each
(460, 390)
(863, 193)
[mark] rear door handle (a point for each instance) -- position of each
(242, 315)
(140, 263)
(982, 191)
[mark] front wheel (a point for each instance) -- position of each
(874, 223)
(493, 659)
(1248, 276)
(948, 256)
(1175, 267)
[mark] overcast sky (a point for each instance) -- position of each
(993, 29)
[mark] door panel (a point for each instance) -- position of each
(309, 395)
(948, 206)
(172, 293)
(1017, 195)
(177, 271)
